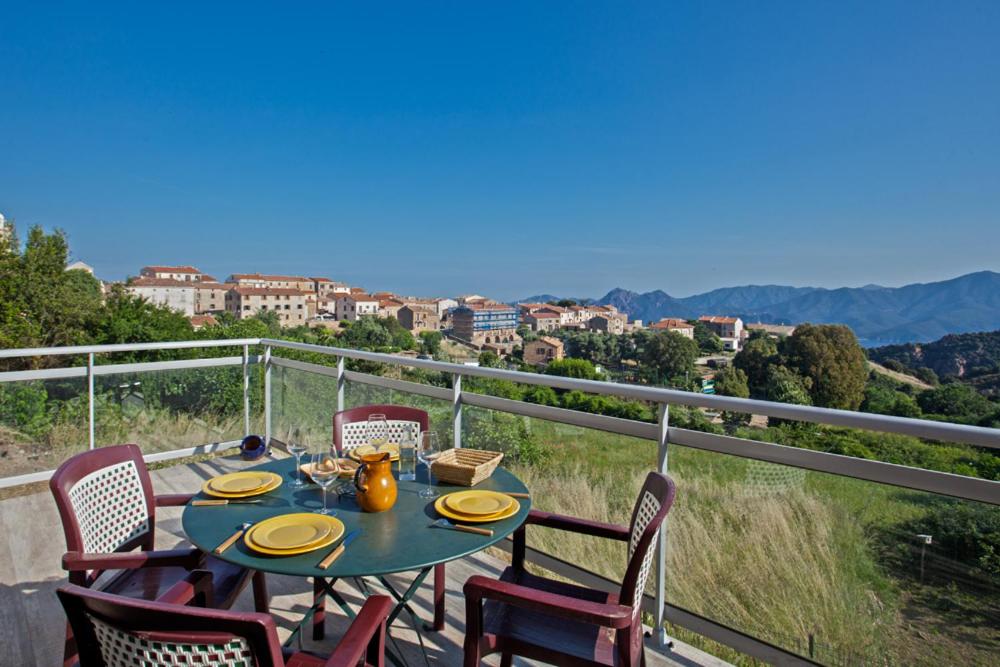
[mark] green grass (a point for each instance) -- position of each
(775, 552)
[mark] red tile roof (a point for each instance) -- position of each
(203, 321)
(160, 282)
(488, 306)
(357, 296)
(671, 323)
(170, 269)
(717, 319)
(243, 290)
(269, 278)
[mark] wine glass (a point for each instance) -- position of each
(377, 430)
(428, 450)
(325, 470)
(297, 446)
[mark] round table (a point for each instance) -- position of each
(398, 540)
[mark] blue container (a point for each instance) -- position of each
(252, 447)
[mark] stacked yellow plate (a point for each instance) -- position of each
(477, 506)
(242, 484)
(364, 450)
(291, 534)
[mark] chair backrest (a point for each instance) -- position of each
(115, 631)
(105, 500)
(655, 499)
(349, 426)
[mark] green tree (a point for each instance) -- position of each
(784, 385)
(708, 342)
(573, 368)
(42, 304)
(754, 359)
(565, 303)
(132, 319)
(366, 333)
(669, 355)
(957, 402)
(830, 356)
(490, 359)
(732, 382)
(430, 342)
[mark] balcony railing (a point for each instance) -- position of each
(298, 389)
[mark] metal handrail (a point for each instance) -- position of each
(123, 347)
(921, 428)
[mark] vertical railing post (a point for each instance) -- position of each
(661, 545)
(341, 383)
(90, 399)
(456, 408)
(246, 390)
(267, 395)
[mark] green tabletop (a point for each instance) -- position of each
(398, 540)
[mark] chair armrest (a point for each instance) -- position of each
(365, 638)
(615, 616)
(195, 587)
(173, 499)
(576, 525)
(75, 561)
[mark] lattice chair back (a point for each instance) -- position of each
(114, 631)
(651, 508)
(350, 426)
(105, 500)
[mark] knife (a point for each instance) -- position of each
(222, 501)
(335, 554)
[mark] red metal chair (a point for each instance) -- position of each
(108, 510)
(561, 623)
(120, 631)
(349, 431)
(349, 426)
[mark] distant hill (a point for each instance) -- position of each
(965, 356)
(878, 315)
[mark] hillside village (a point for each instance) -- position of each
(471, 319)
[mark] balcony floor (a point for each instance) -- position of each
(32, 622)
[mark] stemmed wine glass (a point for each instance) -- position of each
(377, 431)
(428, 450)
(325, 470)
(297, 446)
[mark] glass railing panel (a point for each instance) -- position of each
(305, 402)
(833, 568)
(42, 423)
(173, 409)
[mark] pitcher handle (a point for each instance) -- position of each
(357, 479)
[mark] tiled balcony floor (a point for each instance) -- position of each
(32, 622)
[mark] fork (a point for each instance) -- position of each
(444, 523)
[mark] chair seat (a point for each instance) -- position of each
(149, 583)
(541, 631)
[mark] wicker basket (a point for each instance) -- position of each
(465, 467)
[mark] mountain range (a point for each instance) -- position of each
(878, 315)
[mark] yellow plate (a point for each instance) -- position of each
(363, 450)
(240, 482)
(290, 531)
(477, 503)
(275, 482)
(300, 532)
(445, 511)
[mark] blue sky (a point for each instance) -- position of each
(511, 148)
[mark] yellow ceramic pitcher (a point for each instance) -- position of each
(374, 482)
